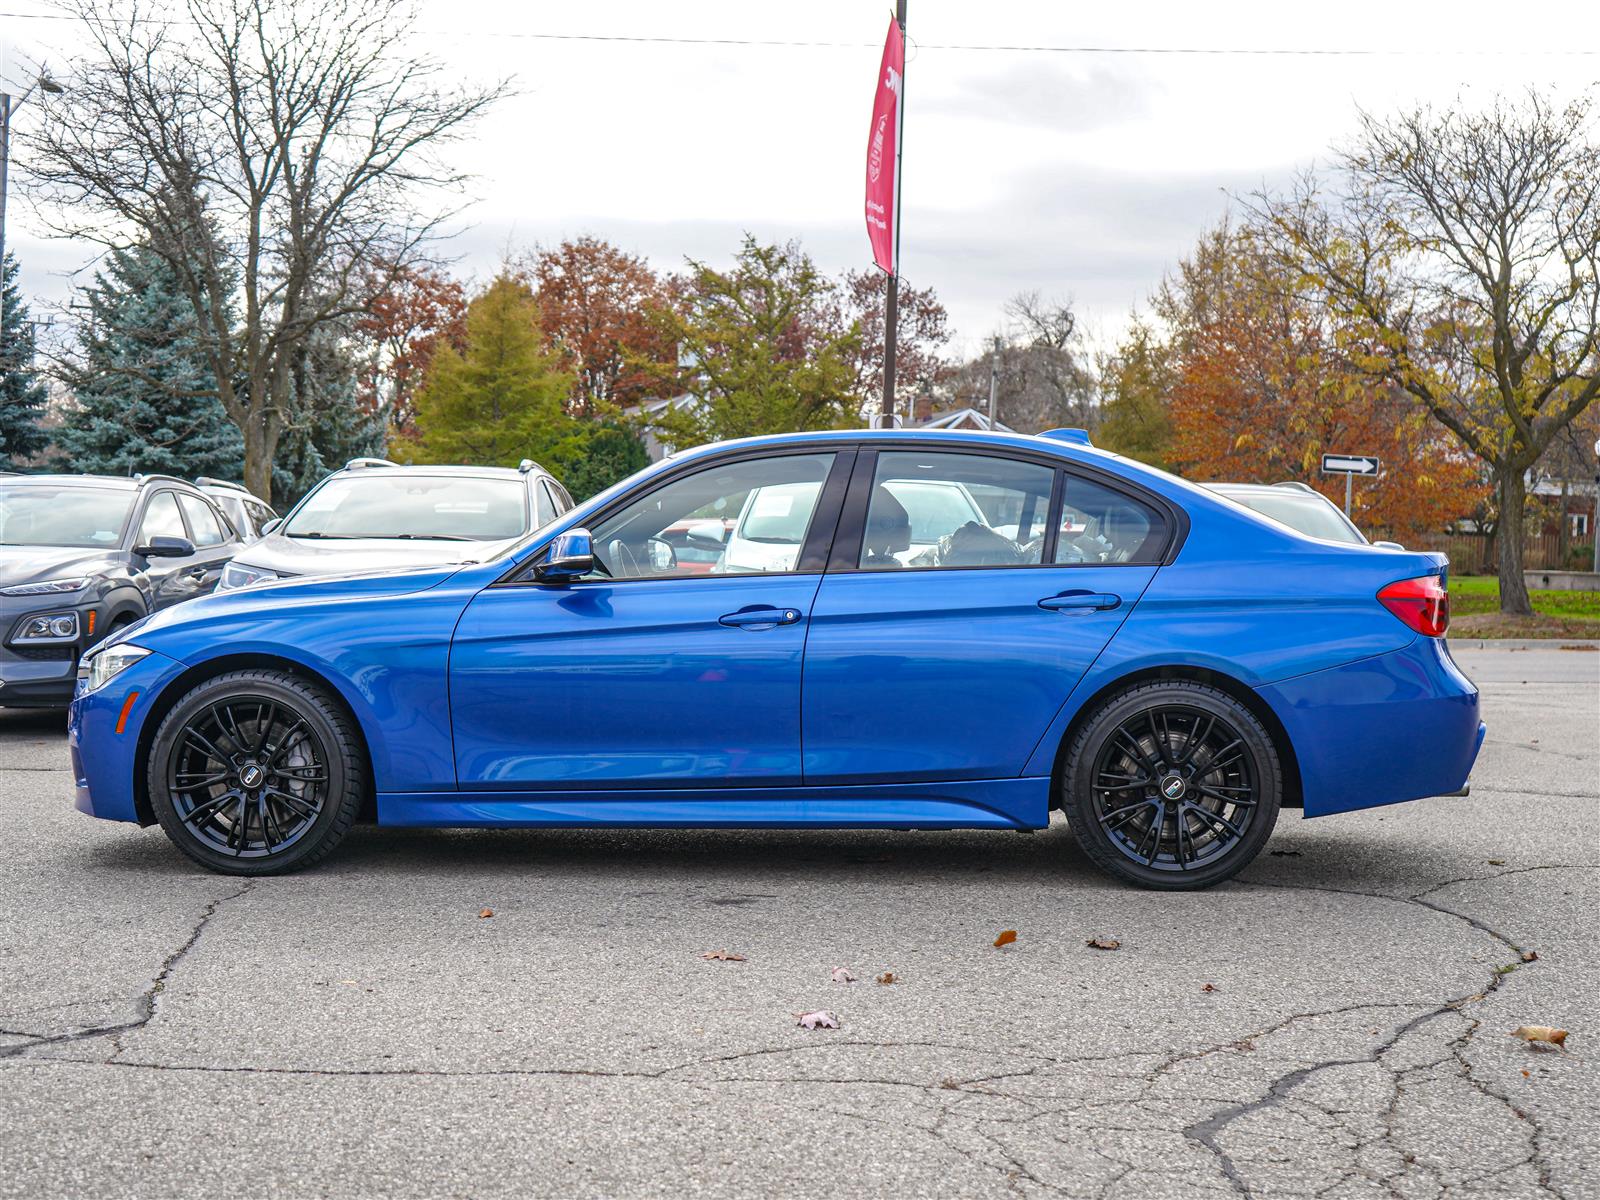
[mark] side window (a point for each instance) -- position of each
(955, 510)
(203, 524)
(740, 518)
(260, 514)
(161, 519)
(544, 505)
(1102, 525)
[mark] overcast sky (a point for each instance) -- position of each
(1077, 173)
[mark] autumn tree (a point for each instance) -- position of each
(922, 331)
(502, 398)
(414, 311)
(272, 151)
(597, 303)
(1135, 381)
(1042, 371)
(1459, 252)
(759, 350)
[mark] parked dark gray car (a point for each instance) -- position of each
(84, 555)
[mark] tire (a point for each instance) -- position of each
(256, 773)
(1118, 781)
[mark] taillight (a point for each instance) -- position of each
(1422, 603)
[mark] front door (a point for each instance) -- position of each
(169, 579)
(949, 632)
(651, 672)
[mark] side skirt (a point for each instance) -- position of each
(964, 804)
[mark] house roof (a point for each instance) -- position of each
(965, 418)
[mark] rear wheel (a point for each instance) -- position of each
(255, 773)
(1172, 785)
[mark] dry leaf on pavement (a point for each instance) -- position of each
(1103, 943)
(1530, 956)
(1007, 936)
(842, 975)
(1210, 987)
(888, 977)
(821, 1019)
(722, 956)
(488, 912)
(1544, 1034)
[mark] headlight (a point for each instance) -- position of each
(237, 575)
(48, 587)
(47, 627)
(102, 668)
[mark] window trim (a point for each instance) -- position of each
(820, 532)
(154, 497)
(846, 556)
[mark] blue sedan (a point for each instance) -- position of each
(864, 629)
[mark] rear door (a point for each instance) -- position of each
(942, 651)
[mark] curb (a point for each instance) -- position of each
(1524, 643)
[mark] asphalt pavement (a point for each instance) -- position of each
(1334, 1023)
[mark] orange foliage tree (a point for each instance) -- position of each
(1262, 390)
(404, 324)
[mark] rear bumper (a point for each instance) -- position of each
(1396, 727)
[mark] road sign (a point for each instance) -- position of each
(1349, 464)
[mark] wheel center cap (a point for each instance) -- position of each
(1173, 787)
(250, 775)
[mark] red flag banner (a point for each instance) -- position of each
(883, 151)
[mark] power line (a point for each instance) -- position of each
(979, 47)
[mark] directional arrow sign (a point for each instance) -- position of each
(1349, 464)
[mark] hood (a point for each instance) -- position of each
(34, 564)
(354, 556)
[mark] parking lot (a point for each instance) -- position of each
(1334, 1023)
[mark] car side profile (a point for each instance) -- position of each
(1166, 667)
(82, 557)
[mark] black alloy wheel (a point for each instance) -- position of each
(256, 772)
(1173, 785)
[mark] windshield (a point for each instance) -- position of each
(1309, 514)
(36, 514)
(374, 504)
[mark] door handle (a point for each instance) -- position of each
(760, 617)
(197, 572)
(1081, 602)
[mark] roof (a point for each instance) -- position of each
(435, 469)
(122, 482)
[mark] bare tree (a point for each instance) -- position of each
(272, 151)
(1044, 374)
(1460, 253)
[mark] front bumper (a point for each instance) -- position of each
(103, 735)
(42, 674)
(1400, 726)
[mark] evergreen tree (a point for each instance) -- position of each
(503, 399)
(146, 400)
(604, 454)
(22, 393)
(328, 426)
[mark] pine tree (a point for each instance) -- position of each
(146, 401)
(22, 393)
(328, 426)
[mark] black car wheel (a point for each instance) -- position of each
(1172, 785)
(255, 773)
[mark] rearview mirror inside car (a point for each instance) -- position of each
(162, 546)
(571, 554)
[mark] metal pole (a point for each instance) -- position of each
(5, 164)
(1594, 527)
(891, 308)
(1347, 480)
(994, 378)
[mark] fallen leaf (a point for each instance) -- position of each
(1210, 987)
(888, 977)
(950, 1085)
(1527, 1074)
(1285, 854)
(1103, 943)
(1541, 1034)
(1530, 956)
(722, 956)
(488, 912)
(1007, 936)
(1497, 862)
(842, 975)
(821, 1019)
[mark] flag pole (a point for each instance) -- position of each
(891, 308)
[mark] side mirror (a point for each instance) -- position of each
(271, 525)
(663, 557)
(571, 554)
(707, 535)
(166, 547)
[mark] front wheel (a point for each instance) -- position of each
(256, 773)
(1172, 785)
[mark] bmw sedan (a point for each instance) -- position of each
(1166, 667)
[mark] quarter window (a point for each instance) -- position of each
(955, 510)
(161, 519)
(202, 522)
(741, 518)
(1102, 525)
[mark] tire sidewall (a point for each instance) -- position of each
(306, 704)
(1078, 779)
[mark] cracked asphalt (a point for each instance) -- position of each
(360, 1031)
